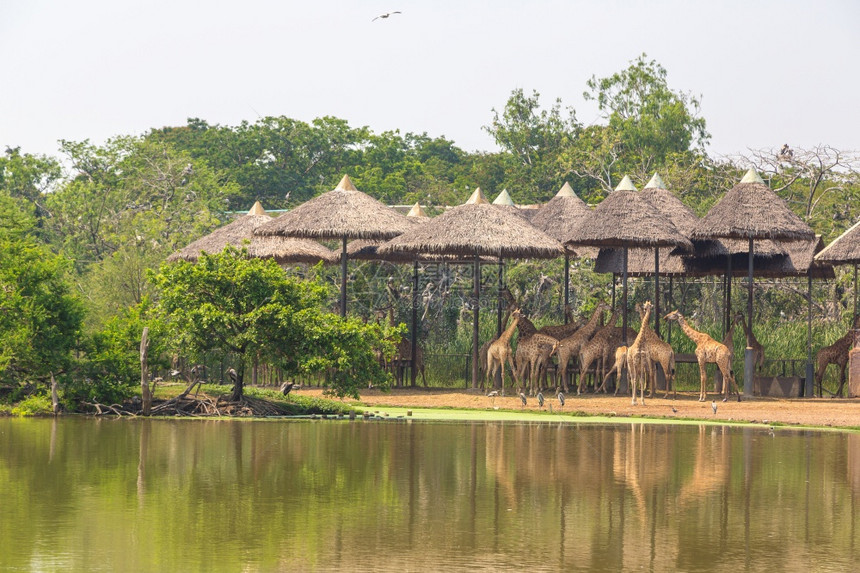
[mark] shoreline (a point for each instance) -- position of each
(467, 404)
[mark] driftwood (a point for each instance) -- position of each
(202, 406)
(145, 393)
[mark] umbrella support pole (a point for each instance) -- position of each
(749, 366)
(501, 303)
(414, 340)
(657, 290)
(343, 280)
(476, 292)
(809, 388)
(567, 286)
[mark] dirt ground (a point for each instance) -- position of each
(827, 412)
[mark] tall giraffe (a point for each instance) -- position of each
(836, 353)
(570, 346)
(499, 352)
(661, 353)
(708, 350)
(639, 363)
(758, 350)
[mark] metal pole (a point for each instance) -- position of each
(657, 290)
(729, 292)
(476, 294)
(567, 285)
(343, 279)
(501, 283)
(613, 292)
(414, 320)
(624, 299)
(671, 300)
(809, 389)
(748, 354)
(855, 295)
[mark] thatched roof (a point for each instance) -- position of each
(800, 260)
(562, 212)
(477, 197)
(504, 198)
(845, 249)
(344, 212)
(477, 229)
(626, 219)
(640, 262)
(416, 211)
(752, 210)
(684, 219)
(240, 233)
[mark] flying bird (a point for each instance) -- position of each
(386, 15)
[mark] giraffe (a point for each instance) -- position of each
(836, 353)
(569, 346)
(662, 354)
(533, 353)
(639, 363)
(601, 346)
(617, 368)
(708, 350)
(758, 350)
(499, 352)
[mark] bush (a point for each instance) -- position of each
(36, 404)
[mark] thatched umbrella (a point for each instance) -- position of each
(240, 233)
(476, 230)
(844, 250)
(627, 219)
(344, 213)
(751, 210)
(561, 212)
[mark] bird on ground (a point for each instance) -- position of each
(286, 387)
(561, 399)
(540, 399)
(714, 406)
(493, 395)
(386, 15)
(523, 398)
(674, 410)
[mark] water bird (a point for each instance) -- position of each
(714, 406)
(540, 399)
(493, 395)
(386, 15)
(523, 398)
(674, 410)
(286, 387)
(561, 399)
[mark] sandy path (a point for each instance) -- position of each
(807, 412)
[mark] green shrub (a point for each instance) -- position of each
(33, 405)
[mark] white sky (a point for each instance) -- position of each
(768, 72)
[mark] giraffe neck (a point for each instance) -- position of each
(592, 323)
(509, 331)
(692, 333)
(644, 327)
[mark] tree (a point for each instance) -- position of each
(248, 307)
(534, 140)
(648, 125)
(40, 318)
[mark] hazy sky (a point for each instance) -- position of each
(768, 72)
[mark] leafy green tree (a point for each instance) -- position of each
(534, 140)
(248, 307)
(40, 318)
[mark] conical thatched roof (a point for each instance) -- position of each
(684, 219)
(416, 211)
(800, 259)
(477, 197)
(240, 233)
(477, 229)
(562, 212)
(626, 219)
(235, 233)
(751, 210)
(343, 212)
(640, 262)
(845, 249)
(504, 198)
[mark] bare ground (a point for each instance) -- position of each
(826, 412)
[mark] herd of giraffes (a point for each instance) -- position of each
(589, 344)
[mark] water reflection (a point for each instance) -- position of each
(157, 494)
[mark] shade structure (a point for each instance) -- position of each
(751, 211)
(240, 233)
(623, 220)
(561, 212)
(343, 213)
(844, 250)
(476, 230)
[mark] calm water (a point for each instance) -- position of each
(191, 495)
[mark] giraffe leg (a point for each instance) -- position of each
(703, 388)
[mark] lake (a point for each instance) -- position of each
(80, 494)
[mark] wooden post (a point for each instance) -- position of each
(55, 397)
(145, 394)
